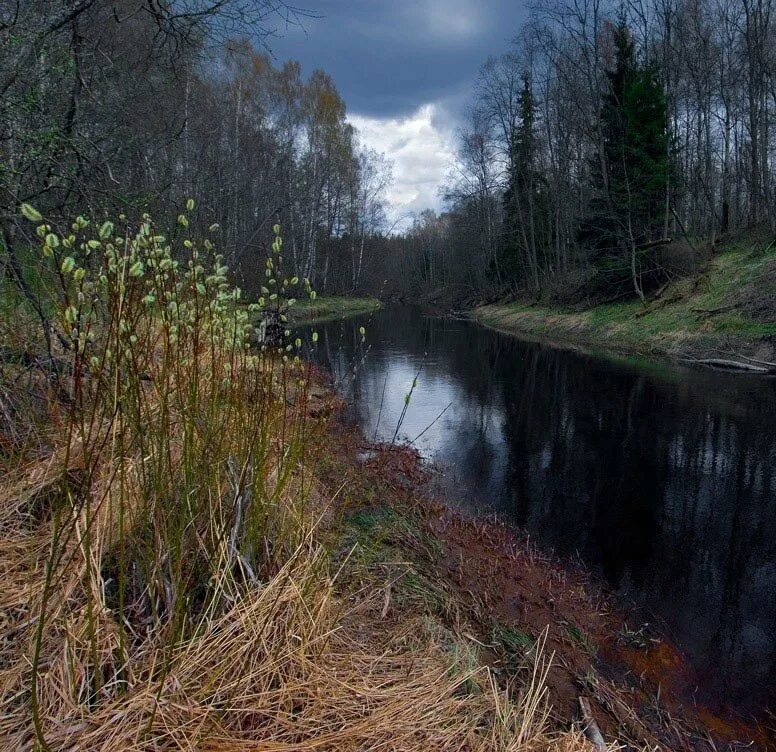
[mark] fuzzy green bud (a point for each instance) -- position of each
(31, 213)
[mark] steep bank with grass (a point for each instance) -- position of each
(726, 313)
(327, 309)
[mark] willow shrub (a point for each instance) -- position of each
(179, 443)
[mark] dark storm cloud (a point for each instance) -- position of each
(388, 58)
(406, 70)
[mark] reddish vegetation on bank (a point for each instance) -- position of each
(508, 598)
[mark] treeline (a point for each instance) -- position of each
(606, 131)
(132, 106)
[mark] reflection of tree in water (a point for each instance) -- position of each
(660, 488)
(664, 483)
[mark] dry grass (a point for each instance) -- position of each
(281, 665)
(163, 583)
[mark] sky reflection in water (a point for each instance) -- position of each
(663, 480)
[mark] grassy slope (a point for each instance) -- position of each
(325, 309)
(685, 320)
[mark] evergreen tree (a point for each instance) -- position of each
(522, 197)
(630, 175)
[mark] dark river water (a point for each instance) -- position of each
(662, 480)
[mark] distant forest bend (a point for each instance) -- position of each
(613, 149)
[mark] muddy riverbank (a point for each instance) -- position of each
(520, 607)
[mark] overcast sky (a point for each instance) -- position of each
(406, 69)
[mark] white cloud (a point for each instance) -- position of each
(457, 20)
(421, 150)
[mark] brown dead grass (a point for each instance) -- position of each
(283, 665)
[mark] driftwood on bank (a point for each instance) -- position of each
(712, 311)
(733, 365)
(590, 727)
(655, 243)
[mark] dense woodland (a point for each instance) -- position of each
(610, 149)
(132, 106)
(606, 130)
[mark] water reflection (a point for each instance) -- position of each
(663, 482)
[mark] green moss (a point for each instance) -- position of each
(513, 642)
(578, 636)
(326, 309)
(686, 312)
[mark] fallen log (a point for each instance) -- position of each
(654, 243)
(712, 311)
(590, 729)
(767, 363)
(731, 365)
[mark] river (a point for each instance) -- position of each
(661, 479)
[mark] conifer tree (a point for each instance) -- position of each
(629, 176)
(522, 198)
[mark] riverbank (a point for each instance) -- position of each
(198, 552)
(727, 313)
(188, 563)
(339, 605)
(513, 611)
(306, 311)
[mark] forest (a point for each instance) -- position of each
(610, 150)
(136, 106)
(253, 496)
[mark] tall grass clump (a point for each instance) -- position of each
(172, 477)
(162, 585)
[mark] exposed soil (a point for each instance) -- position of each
(511, 597)
(640, 686)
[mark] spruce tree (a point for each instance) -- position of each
(521, 197)
(629, 177)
